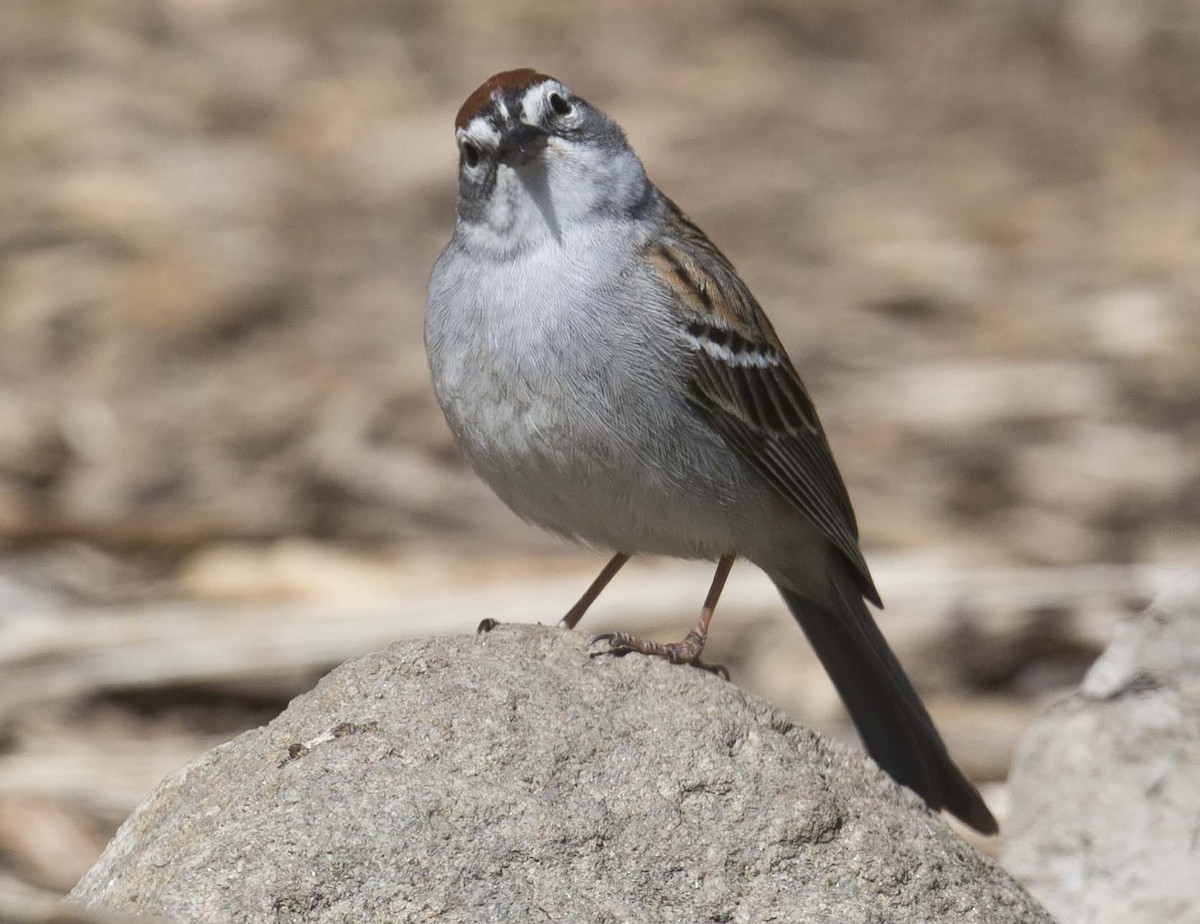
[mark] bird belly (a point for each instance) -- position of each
(588, 472)
(582, 429)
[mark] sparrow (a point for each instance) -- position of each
(604, 368)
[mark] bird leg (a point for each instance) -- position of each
(688, 651)
(575, 613)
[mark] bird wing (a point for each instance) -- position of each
(742, 382)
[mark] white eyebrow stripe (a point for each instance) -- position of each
(533, 103)
(481, 131)
(537, 98)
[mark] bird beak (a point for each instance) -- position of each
(521, 144)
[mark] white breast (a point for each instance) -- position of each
(556, 373)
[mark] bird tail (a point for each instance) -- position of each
(888, 713)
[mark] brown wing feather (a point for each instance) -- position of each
(759, 405)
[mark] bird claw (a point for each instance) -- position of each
(685, 652)
(719, 669)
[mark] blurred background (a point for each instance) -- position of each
(975, 225)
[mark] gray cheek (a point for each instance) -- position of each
(475, 190)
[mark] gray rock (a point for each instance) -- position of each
(1105, 788)
(510, 777)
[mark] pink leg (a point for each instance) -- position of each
(688, 651)
(575, 613)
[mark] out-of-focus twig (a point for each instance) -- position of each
(59, 655)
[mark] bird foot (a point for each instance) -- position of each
(685, 652)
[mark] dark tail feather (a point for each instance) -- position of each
(888, 713)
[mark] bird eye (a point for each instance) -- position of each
(470, 154)
(559, 105)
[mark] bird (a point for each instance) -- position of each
(605, 370)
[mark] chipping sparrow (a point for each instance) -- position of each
(609, 375)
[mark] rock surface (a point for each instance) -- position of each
(510, 777)
(1105, 791)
